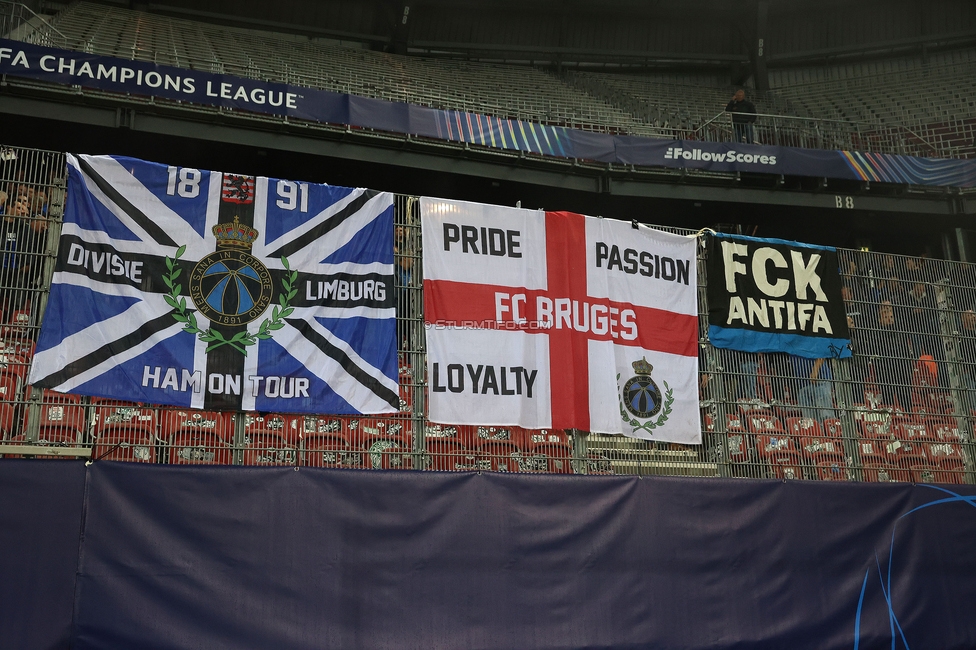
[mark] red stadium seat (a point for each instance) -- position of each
(832, 470)
(111, 415)
(786, 412)
(132, 446)
(546, 450)
(474, 436)
(779, 442)
(948, 454)
(832, 428)
(885, 474)
(500, 456)
(287, 427)
(269, 449)
(764, 423)
(6, 420)
(9, 387)
(559, 457)
(23, 348)
(323, 425)
(534, 437)
(785, 464)
(945, 464)
(15, 364)
(878, 426)
(909, 428)
(451, 447)
(819, 449)
(406, 389)
(174, 421)
(803, 427)
(366, 429)
(197, 437)
(739, 447)
(708, 421)
(449, 454)
(752, 406)
(734, 422)
(20, 324)
(944, 430)
(873, 452)
(270, 439)
(555, 458)
(462, 433)
(329, 450)
(908, 454)
(61, 418)
(190, 447)
(46, 438)
(385, 453)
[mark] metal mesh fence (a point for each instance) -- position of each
(902, 409)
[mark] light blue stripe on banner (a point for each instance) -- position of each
(762, 240)
(811, 347)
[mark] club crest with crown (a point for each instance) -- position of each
(642, 404)
(231, 288)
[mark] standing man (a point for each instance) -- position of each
(743, 116)
(19, 255)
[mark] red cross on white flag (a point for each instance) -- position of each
(557, 320)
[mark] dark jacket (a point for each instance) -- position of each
(739, 110)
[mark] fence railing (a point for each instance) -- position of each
(903, 408)
(20, 21)
(817, 133)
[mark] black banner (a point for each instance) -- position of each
(772, 295)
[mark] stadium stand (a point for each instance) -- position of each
(753, 410)
(505, 91)
(841, 108)
(487, 535)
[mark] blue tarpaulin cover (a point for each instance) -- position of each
(231, 557)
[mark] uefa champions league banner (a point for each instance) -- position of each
(772, 295)
(148, 79)
(554, 319)
(203, 289)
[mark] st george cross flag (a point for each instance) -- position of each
(208, 290)
(553, 319)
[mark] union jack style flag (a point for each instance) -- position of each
(208, 290)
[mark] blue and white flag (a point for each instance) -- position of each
(208, 290)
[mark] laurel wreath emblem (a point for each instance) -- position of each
(242, 340)
(650, 425)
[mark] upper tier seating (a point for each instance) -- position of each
(897, 106)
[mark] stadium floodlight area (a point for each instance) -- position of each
(902, 409)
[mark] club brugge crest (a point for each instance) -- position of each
(230, 286)
(641, 399)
